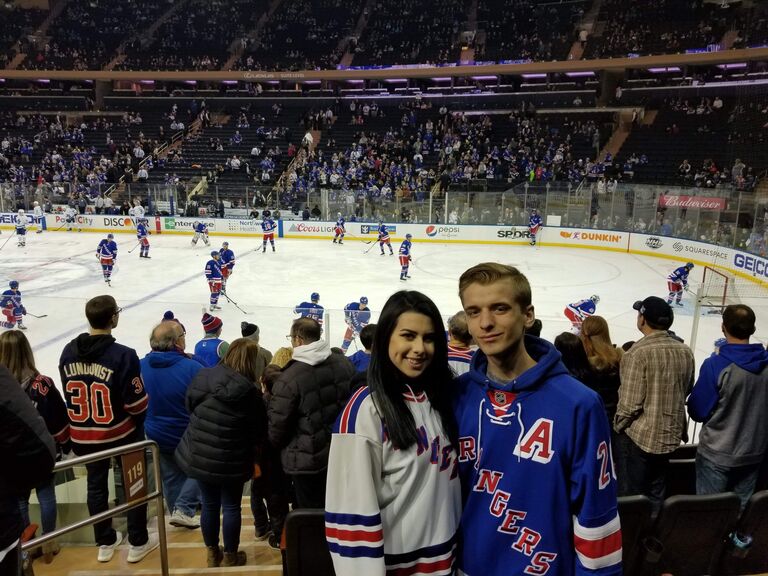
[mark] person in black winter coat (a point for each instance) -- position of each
(28, 453)
(222, 445)
(306, 399)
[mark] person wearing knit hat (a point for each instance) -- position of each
(264, 357)
(211, 348)
(169, 317)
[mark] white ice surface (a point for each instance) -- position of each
(58, 273)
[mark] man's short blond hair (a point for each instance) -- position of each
(490, 272)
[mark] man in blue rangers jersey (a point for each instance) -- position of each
(268, 227)
(676, 282)
(579, 311)
(311, 309)
(213, 275)
(13, 309)
(200, 231)
(534, 446)
(405, 257)
(106, 402)
(21, 228)
(534, 225)
(142, 233)
(383, 238)
(106, 252)
(227, 260)
(357, 316)
(211, 349)
(339, 230)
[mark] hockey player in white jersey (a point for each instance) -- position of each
(39, 215)
(20, 223)
(70, 214)
(393, 498)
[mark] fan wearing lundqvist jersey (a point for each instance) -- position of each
(537, 473)
(379, 520)
(106, 252)
(104, 392)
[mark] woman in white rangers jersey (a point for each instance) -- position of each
(393, 499)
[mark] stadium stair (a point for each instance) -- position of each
(239, 49)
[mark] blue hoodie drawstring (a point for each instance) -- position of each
(522, 429)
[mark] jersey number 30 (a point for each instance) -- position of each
(84, 404)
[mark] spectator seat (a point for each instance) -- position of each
(754, 522)
(306, 551)
(636, 517)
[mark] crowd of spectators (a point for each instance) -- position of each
(17, 24)
(302, 35)
(425, 33)
(530, 30)
(85, 36)
(198, 36)
(660, 27)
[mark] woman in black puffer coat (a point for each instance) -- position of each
(222, 444)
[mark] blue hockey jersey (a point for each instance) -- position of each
(405, 248)
(534, 221)
(355, 317)
(107, 249)
(537, 475)
(200, 228)
(583, 308)
(11, 299)
(142, 231)
(268, 225)
(213, 270)
(679, 276)
(227, 258)
(310, 310)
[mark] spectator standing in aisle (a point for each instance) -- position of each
(731, 398)
(29, 455)
(656, 377)
(167, 372)
(16, 355)
(459, 341)
(306, 399)
(222, 446)
(534, 450)
(102, 378)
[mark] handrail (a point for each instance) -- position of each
(157, 495)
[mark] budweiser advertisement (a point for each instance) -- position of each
(697, 202)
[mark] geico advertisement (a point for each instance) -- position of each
(751, 264)
(8, 218)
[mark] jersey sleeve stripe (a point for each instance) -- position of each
(354, 536)
(349, 415)
(428, 553)
(437, 568)
(139, 406)
(600, 546)
(355, 551)
(353, 519)
(62, 435)
(88, 435)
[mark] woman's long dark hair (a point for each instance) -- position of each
(387, 383)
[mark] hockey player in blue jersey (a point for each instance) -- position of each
(213, 275)
(676, 282)
(534, 225)
(339, 230)
(21, 222)
(106, 252)
(405, 257)
(357, 316)
(13, 309)
(200, 231)
(227, 264)
(311, 309)
(580, 310)
(383, 238)
(142, 233)
(268, 227)
(534, 446)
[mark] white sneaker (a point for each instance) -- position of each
(138, 553)
(106, 552)
(181, 520)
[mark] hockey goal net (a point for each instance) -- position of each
(718, 289)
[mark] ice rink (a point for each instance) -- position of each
(58, 272)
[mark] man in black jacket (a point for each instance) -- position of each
(306, 399)
(28, 454)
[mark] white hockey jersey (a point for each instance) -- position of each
(391, 511)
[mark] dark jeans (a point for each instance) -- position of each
(98, 501)
(310, 489)
(225, 500)
(714, 479)
(271, 487)
(641, 472)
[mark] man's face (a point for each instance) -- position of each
(494, 319)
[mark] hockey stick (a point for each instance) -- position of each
(134, 248)
(36, 316)
(6, 242)
(369, 247)
(235, 304)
